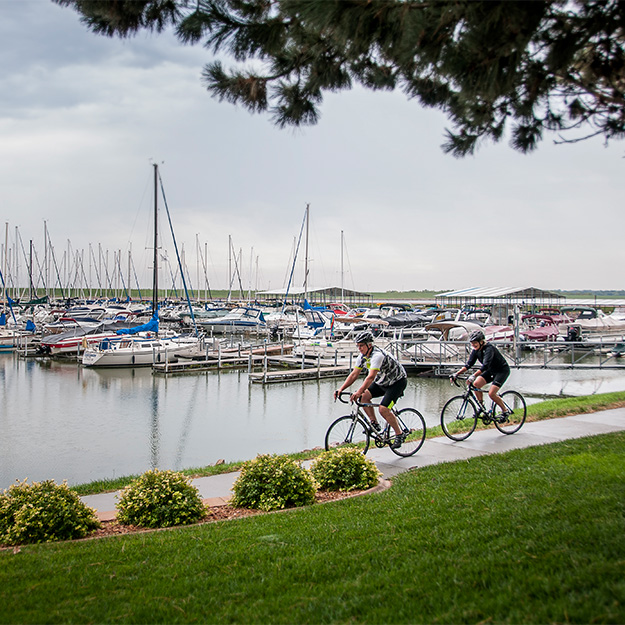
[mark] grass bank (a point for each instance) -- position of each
(531, 536)
(545, 410)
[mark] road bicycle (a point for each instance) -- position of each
(355, 430)
(460, 414)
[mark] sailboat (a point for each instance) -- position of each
(143, 345)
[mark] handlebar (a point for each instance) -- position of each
(348, 394)
(454, 380)
(340, 397)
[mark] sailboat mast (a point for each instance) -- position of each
(342, 274)
(155, 270)
(4, 270)
(306, 254)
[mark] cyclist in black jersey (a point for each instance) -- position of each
(494, 368)
(386, 378)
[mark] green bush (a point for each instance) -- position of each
(160, 499)
(43, 512)
(345, 468)
(271, 482)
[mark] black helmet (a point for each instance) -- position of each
(476, 335)
(364, 337)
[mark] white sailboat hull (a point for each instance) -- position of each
(131, 352)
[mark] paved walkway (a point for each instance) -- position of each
(215, 490)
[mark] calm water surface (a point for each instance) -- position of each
(64, 422)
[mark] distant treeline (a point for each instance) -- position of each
(590, 293)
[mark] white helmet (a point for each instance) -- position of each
(364, 337)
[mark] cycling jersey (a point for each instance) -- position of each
(390, 370)
(492, 361)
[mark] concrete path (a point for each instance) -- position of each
(215, 490)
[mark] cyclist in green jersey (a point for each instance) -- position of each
(386, 378)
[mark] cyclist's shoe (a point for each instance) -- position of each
(506, 414)
(376, 426)
(398, 440)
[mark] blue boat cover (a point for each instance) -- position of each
(150, 326)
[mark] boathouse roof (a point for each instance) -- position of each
(500, 295)
(324, 295)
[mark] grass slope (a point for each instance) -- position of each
(531, 536)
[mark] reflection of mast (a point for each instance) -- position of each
(155, 436)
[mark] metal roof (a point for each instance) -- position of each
(334, 291)
(507, 292)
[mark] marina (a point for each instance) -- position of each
(101, 388)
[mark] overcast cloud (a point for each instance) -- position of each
(81, 117)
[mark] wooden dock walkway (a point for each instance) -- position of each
(295, 375)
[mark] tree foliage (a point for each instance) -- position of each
(492, 66)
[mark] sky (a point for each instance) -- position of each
(84, 117)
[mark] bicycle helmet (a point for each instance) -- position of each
(476, 335)
(364, 337)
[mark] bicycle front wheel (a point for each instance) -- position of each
(348, 431)
(516, 405)
(412, 424)
(459, 418)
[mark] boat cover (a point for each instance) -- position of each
(150, 326)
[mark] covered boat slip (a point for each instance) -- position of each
(326, 296)
(503, 301)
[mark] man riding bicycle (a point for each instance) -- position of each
(386, 378)
(494, 368)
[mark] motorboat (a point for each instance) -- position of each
(540, 327)
(240, 319)
(446, 341)
(76, 340)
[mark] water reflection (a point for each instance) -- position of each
(62, 421)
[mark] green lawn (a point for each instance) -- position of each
(531, 536)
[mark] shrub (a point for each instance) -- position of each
(345, 468)
(271, 482)
(43, 512)
(160, 499)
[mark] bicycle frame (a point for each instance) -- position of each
(486, 415)
(460, 414)
(380, 438)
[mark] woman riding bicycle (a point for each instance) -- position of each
(386, 378)
(493, 368)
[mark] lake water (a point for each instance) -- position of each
(64, 422)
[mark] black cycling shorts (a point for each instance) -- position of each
(498, 378)
(390, 394)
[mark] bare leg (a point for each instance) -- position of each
(390, 418)
(369, 410)
(493, 394)
(478, 384)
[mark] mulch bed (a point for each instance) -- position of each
(214, 513)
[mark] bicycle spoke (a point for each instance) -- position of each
(347, 431)
(412, 425)
(459, 418)
(515, 404)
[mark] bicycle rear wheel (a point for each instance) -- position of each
(348, 431)
(412, 425)
(516, 404)
(459, 418)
